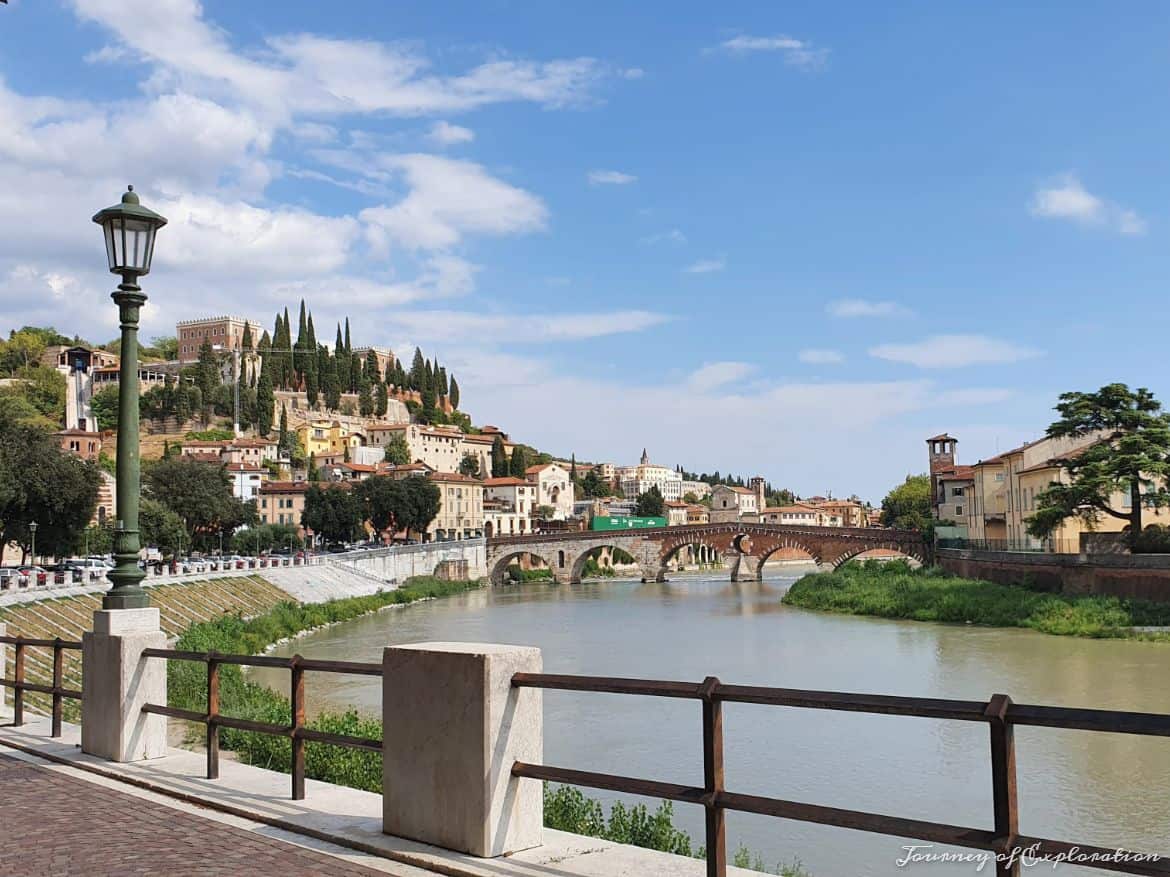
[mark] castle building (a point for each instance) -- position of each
(226, 332)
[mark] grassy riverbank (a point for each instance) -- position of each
(894, 590)
(565, 808)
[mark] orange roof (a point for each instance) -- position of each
(244, 467)
(679, 505)
(508, 481)
(284, 487)
(539, 467)
(959, 473)
(453, 476)
(790, 509)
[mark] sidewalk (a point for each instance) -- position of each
(344, 824)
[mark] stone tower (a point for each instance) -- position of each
(759, 488)
(645, 457)
(941, 450)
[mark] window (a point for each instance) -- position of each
(959, 510)
(956, 491)
(999, 476)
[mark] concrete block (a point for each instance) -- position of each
(452, 727)
(118, 681)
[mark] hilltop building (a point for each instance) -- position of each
(636, 480)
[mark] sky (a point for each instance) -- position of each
(789, 239)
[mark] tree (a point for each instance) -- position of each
(365, 398)
(397, 450)
(573, 469)
(265, 404)
(384, 501)
(1127, 453)
(333, 512)
(469, 465)
(200, 493)
(544, 513)
(593, 486)
(453, 396)
(650, 504)
(161, 527)
(41, 483)
(518, 465)
(423, 502)
(417, 371)
(381, 400)
(499, 458)
(206, 370)
(908, 507)
(312, 473)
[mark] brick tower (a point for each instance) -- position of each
(942, 460)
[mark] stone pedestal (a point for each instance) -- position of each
(452, 727)
(746, 568)
(118, 681)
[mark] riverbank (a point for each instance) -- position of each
(895, 590)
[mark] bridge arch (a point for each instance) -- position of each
(788, 542)
(903, 552)
(577, 565)
(499, 567)
(672, 548)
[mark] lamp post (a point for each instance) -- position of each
(129, 230)
(32, 529)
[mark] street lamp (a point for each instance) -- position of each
(32, 529)
(129, 230)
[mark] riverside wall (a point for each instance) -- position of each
(1131, 576)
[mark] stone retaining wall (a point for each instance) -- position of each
(1133, 576)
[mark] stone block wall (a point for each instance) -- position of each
(1130, 576)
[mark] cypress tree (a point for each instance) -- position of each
(417, 371)
(372, 372)
(381, 400)
(499, 458)
(246, 340)
(301, 348)
(349, 375)
(573, 469)
(453, 396)
(264, 403)
(518, 466)
(365, 399)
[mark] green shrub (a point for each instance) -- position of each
(894, 590)
(1153, 539)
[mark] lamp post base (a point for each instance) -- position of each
(126, 598)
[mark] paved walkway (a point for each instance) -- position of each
(54, 824)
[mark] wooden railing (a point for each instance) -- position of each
(20, 685)
(295, 730)
(1000, 714)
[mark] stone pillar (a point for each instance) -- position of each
(746, 568)
(118, 681)
(452, 726)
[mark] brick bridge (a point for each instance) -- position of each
(746, 547)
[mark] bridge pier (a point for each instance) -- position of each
(653, 573)
(746, 568)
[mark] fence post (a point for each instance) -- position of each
(1003, 784)
(212, 717)
(713, 778)
(18, 691)
(297, 690)
(452, 728)
(118, 681)
(58, 681)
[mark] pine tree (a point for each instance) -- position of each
(499, 458)
(453, 396)
(349, 375)
(265, 404)
(518, 466)
(417, 367)
(330, 384)
(428, 403)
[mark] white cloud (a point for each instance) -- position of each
(705, 266)
(674, 236)
(848, 308)
(1068, 199)
(610, 178)
(797, 53)
(633, 73)
(954, 351)
(821, 357)
(718, 374)
(299, 73)
(446, 134)
(449, 199)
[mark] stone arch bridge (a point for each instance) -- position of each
(746, 547)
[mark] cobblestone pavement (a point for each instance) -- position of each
(54, 824)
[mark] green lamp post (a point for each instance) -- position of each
(129, 230)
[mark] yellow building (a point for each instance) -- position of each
(324, 437)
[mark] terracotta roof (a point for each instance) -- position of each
(1056, 462)
(284, 487)
(505, 482)
(453, 476)
(942, 437)
(744, 490)
(959, 473)
(539, 467)
(203, 458)
(412, 467)
(244, 467)
(201, 443)
(679, 505)
(73, 430)
(358, 467)
(790, 509)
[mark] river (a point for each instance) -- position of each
(1105, 789)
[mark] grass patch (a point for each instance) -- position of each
(895, 590)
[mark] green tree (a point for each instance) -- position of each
(265, 404)
(908, 506)
(383, 499)
(397, 450)
(41, 483)
(365, 398)
(453, 396)
(207, 371)
(199, 493)
(162, 528)
(469, 465)
(334, 513)
(518, 465)
(593, 486)
(650, 504)
(43, 388)
(499, 458)
(1129, 454)
(417, 374)
(423, 502)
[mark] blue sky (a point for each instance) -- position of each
(787, 238)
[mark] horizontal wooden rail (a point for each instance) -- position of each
(20, 685)
(295, 731)
(999, 713)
